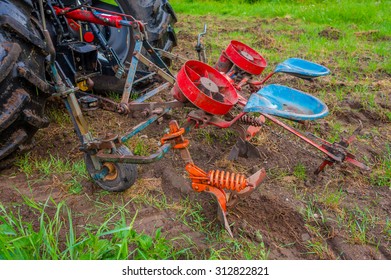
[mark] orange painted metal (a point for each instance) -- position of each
(176, 134)
(202, 181)
(227, 180)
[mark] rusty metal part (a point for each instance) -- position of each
(110, 141)
(176, 135)
(243, 148)
(171, 56)
(203, 119)
(223, 64)
(252, 120)
(254, 181)
(340, 149)
(153, 67)
(112, 171)
(102, 156)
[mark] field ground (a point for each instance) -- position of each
(49, 202)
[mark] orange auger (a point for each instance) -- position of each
(216, 182)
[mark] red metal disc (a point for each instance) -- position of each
(89, 37)
(245, 58)
(205, 87)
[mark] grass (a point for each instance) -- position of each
(54, 237)
(382, 175)
(300, 171)
(278, 30)
(71, 173)
(359, 223)
(50, 165)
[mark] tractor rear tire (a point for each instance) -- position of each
(159, 18)
(22, 73)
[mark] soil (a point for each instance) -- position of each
(276, 214)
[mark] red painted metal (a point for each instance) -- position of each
(205, 87)
(88, 16)
(89, 37)
(223, 64)
(245, 58)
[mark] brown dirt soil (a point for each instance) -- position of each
(289, 213)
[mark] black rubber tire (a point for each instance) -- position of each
(21, 102)
(127, 173)
(159, 17)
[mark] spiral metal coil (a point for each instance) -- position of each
(251, 120)
(227, 180)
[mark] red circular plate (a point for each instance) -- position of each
(245, 58)
(205, 87)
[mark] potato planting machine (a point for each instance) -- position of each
(216, 96)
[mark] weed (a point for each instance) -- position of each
(140, 149)
(387, 228)
(332, 199)
(319, 248)
(205, 135)
(359, 222)
(58, 116)
(24, 164)
(382, 175)
(75, 187)
(115, 96)
(21, 240)
(335, 134)
(300, 171)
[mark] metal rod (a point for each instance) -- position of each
(41, 10)
(298, 134)
(159, 154)
(151, 93)
(169, 78)
(140, 127)
(131, 74)
(267, 77)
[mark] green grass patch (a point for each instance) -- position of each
(54, 237)
(381, 176)
(300, 171)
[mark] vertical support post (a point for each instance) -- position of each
(130, 78)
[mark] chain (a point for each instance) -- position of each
(288, 139)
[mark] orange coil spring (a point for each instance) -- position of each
(251, 120)
(227, 180)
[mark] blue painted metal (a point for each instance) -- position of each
(302, 68)
(101, 175)
(159, 154)
(287, 103)
(131, 73)
(138, 128)
(151, 93)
